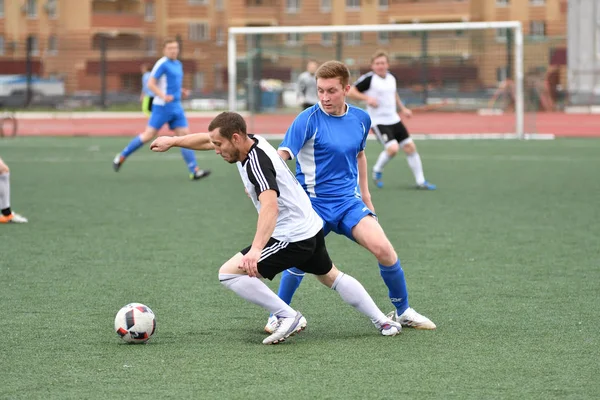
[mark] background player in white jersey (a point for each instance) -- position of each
(307, 86)
(7, 216)
(288, 232)
(328, 142)
(379, 90)
(166, 80)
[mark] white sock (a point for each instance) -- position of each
(353, 293)
(383, 159)
(255, 291)
(414, 162)
(4, 191)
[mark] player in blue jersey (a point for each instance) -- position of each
(166, 79)
(147, 96)
(328, 141)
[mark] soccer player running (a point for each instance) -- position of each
(147, 96)
(378, 88)
(328, 142)
(165, 82)
(7, 216)
(289, 232)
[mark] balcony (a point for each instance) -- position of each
(405, 11)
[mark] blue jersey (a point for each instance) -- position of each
(169, 75)
(145, 89)
(325, 147)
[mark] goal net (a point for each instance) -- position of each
(460, 79)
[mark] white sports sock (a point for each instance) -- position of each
(383, 159)
(353, 293)
(4, 191)
(255, 291)
(414, 162)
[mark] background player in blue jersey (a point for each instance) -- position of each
(328, 141)
(165, 82)
(147, 96)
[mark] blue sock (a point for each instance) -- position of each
(290, 280)
(135, 144)
(394, 279)
(190, 159)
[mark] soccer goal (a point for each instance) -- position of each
(460, 79)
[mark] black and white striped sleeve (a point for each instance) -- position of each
(364, 82)
(261, 172)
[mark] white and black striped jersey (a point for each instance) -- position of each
(263, 170)
(384, 90)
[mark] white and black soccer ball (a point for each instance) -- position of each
(135, 323)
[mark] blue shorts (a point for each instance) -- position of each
(171, 114)
(340, 215)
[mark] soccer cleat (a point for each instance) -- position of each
(199, 174)
(286, 327)
(117, 162)
(273, 321)
(426, 186)
(13, 218)
(389, 328)
(378, 178)
(412, 319)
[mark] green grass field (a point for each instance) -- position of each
(504, 258)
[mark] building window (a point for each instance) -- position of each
(220, 39)
(50, 8)
(292, 6)
(198, 32)
(537, 29)
(199, 81)
(353, 38)
(150, 44)
(501, 74)
(502, 3)
(198, 2)
(352, 4)
(1, 8)
(325, 6)
(35, 48)
(293, 39)
(31, 8)
(384, 4)
(537, 2)
(326, 39)
(219, 84)
(52, 45)
(501, 34)
(1, 45)
(219, 5)
(383, 37)
(149, 12)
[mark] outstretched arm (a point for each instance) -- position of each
(194, 141)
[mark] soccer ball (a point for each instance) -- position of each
(135, 323)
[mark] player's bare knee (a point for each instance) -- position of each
(409, 148)
(147, 135)
(4, 168)
(392, 149)
(385, 254)
(329, 278)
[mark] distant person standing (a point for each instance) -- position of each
(147, 96)
(307, 86)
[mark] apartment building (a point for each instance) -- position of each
(67, 35)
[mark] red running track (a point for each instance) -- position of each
(559, 124)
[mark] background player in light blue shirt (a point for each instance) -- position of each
(147, 96)
(166, 80)
(328, 141)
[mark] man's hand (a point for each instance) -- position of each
(367, 200)
(407, 112)
(372, 102)
(185, 93)
(249, 263)
(168, 98)
(162, 143)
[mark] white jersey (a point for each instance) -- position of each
(263, 170)
(384, 90)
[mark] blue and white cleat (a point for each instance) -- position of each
(426, 186)
(286, 327)
(378, 178)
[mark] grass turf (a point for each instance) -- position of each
(504, 257)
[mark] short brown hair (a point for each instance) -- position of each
(169, 41)
(228, 124)
(380, 53)
(334, 69)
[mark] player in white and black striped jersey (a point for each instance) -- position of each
(378, 88)
(289, 232)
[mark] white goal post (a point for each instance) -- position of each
(514, 26)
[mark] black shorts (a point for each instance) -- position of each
(308, 255)
(387, 133)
